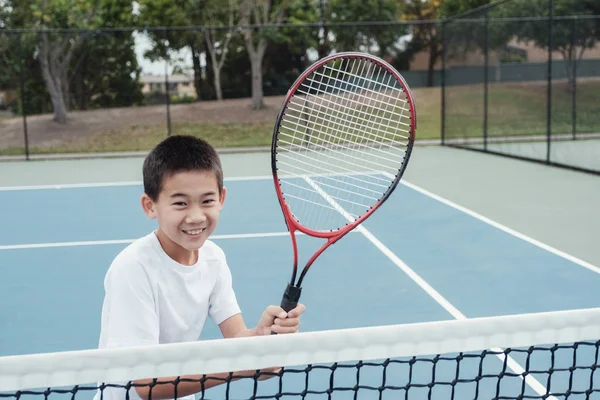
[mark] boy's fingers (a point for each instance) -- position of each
(287, 321)
(297, 311)
(276, 312)
(285, 329)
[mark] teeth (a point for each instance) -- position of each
(196, 232)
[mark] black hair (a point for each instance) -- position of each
(176, 154)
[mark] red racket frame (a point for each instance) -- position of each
(332, 236)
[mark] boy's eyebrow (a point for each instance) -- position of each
(211, 193)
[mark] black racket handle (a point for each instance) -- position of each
(290, 299)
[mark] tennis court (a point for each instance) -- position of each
(422, 258)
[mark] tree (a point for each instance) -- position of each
(453, 8)
(104, 69)
(462, 38)
(324, 14)
(56, 49)
(175, 13)
(425, 35)
(376, 39)
(570, 38)
(259, 13)
(9, 63)
(218, 36)
(105, 72)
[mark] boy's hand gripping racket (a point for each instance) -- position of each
(341, 143)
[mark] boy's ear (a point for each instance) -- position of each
(148, 206)
(222, 196)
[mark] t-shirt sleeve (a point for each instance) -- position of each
(223, 302)
(130, 317)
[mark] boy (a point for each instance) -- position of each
(161, 288)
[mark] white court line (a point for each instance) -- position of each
(449, 307)
(109, 184)
(67, 186)
(503, 228)
(125, 241)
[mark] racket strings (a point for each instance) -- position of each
(349, 159)
(344, 134)
(375, 133)
(356, 100)
(331, 103)
(336, 190)
(345, 131)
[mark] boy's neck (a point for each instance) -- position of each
(176, 252)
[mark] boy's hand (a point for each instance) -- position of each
(275, 319)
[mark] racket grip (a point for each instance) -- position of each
(290, 299)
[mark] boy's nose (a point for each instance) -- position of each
(195, 216)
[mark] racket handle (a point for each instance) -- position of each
(290, 299)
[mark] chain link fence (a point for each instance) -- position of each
(124, 90)
(511, 84)
(525, 87)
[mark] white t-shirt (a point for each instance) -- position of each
(151, 299)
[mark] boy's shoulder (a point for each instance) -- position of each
(134, 258)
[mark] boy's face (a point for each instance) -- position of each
(187, 210)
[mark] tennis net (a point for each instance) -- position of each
(528, 356)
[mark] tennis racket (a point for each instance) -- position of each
(341, 143)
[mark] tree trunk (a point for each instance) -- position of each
(58, 103)
(256, 54)
(257, 89)
(218, 90)
(216, 64)
(433, 55)
(66, 87)
(197, 68)
(256, 59)
(54, 86)
(55, 59)
(324, 48)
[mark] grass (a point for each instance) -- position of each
(141, 137)
(519, 109)
(514, 109)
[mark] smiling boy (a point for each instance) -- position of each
(162, 287)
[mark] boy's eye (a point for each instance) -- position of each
(179, 204)
(208, 201)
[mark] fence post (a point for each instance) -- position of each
(167, 96)
(574, 80)
(443, 84)
(549, 94)
(23, 95)
(486, 63)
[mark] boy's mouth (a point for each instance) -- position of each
(194, 232)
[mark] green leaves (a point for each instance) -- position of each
(373, 38)
(564, 32)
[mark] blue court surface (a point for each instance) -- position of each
(57, 243)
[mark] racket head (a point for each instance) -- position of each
(341, 143)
